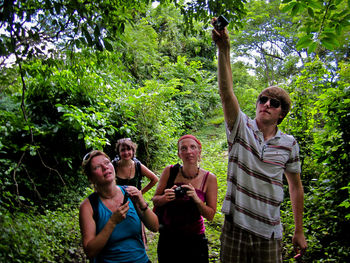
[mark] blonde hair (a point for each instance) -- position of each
(86, 164)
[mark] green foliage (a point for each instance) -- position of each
(77, 104)
(91, 124)
(157, 120)
(50, 237)
(323, 22)
(37, 140)
(346, 202)
(318, 119)
(267, 40)
(203, 11)
(140, 52)
(173, 41)
(246, 87)
(198, 95)
(31, 25)
(157, 84)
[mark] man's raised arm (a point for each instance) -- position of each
(229, 100)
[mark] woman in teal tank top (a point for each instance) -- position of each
(115, 235)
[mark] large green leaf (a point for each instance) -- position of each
(304, 42)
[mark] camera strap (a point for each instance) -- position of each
(174, 169)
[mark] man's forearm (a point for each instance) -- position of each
(224, 72)
(228, 98)
(297, 199)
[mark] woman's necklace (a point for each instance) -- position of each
(189, 177)
(130, 170)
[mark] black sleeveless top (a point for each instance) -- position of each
(136, 180)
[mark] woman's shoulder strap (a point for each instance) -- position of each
(204, 181)
(174, 169)
(137, 165)
(138, 173)
(93, 198)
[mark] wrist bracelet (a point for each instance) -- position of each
(145, 208)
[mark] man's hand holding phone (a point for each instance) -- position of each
(220, 23)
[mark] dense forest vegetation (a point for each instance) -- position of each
(77, 75)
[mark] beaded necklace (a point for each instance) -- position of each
(189, 177)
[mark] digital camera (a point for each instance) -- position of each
(220, 23)
(180, 191)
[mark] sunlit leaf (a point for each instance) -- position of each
(328, 43)
(314, 4)
(286, 8)
(296, 8)
(304, 42)
(312, 47)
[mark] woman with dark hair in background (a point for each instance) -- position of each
(129, 170)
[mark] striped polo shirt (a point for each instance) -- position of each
(255, 176)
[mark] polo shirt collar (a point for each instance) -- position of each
(257, 132)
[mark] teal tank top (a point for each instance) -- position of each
(125, 243)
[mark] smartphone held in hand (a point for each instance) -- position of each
(221, 23)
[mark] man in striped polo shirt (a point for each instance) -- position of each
(259, 155)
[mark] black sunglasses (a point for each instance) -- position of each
(273, 102)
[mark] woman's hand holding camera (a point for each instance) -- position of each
(169, 194)
(120, 214)
(191, 192)
(180, 191)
